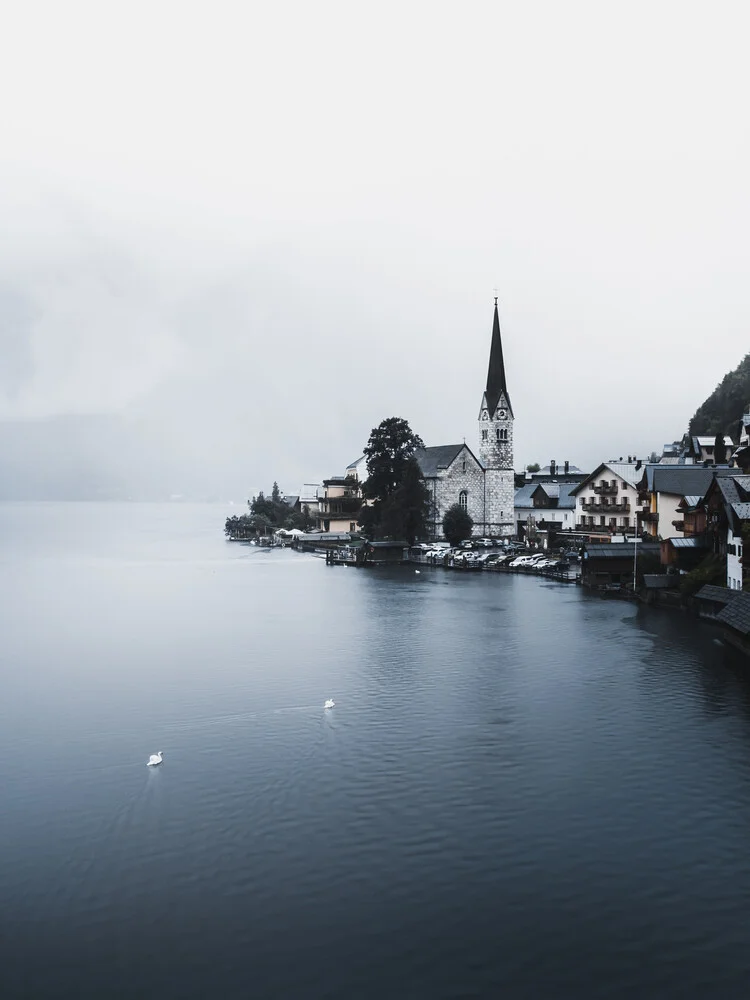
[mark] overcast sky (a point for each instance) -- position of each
(252, 231)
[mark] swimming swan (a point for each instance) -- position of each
(330, 703)
(155, 759)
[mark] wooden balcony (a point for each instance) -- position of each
(606, 508)
(605, 488)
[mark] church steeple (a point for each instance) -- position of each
(496, 372)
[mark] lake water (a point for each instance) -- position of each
(522, 791)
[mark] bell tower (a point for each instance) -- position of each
(496, 412)
(496, 440)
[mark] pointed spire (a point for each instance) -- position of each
(496, 371)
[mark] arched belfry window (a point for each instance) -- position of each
(463, 499)
(502, 434)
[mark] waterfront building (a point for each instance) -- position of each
(608, 500)
(482, 483)
(662, 490)
(339, 504)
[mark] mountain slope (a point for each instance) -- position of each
(721, 412)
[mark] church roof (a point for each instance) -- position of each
(496, 372)
(433, 460)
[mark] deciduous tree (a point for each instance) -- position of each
(457, 524)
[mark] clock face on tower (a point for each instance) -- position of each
(501, 413)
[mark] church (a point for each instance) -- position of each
(484, 485)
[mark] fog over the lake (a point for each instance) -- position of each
(237, 236)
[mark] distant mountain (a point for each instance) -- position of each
(721, 412)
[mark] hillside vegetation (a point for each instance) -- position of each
(721, 412)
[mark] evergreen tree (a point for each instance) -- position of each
(720, 450)
(405, 512)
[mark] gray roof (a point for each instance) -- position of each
(742, 510)
(737, 613)
(546, 470)
(710, 592)
(291, 500)
(691, 542)
(620, 550)
(438, 458)
(355, 463)
(679, 480)
(694, 500)
(523, 494)
(660, 581)
(562, 492)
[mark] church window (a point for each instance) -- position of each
(463, 499)
(484, 435)
(502, 434)
(463, 466)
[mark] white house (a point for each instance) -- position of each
(607, 499)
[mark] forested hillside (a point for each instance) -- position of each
(721, 412)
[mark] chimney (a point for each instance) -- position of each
(638, 464)
(552, 467)
(567, 466)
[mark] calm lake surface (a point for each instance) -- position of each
(522, 791)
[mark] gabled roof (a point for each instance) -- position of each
(496, 384)
(356, 462)
(678, 480)
(522, 496)
(710, 592)
(707, 440)
(737, 613)
(440, 457)
(628, 471)
(562, 491)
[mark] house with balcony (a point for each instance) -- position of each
(339, 504)
(607, 500)
(662, 490)
(727, 504)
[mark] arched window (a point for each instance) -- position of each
(502, 434)
(463, 499)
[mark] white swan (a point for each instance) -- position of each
(329, 703)
(417, 571)
(154, 759)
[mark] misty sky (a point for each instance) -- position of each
(243, 234)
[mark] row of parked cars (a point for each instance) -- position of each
(510, 554)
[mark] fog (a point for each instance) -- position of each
(234, 237)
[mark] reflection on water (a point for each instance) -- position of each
(522, 790)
